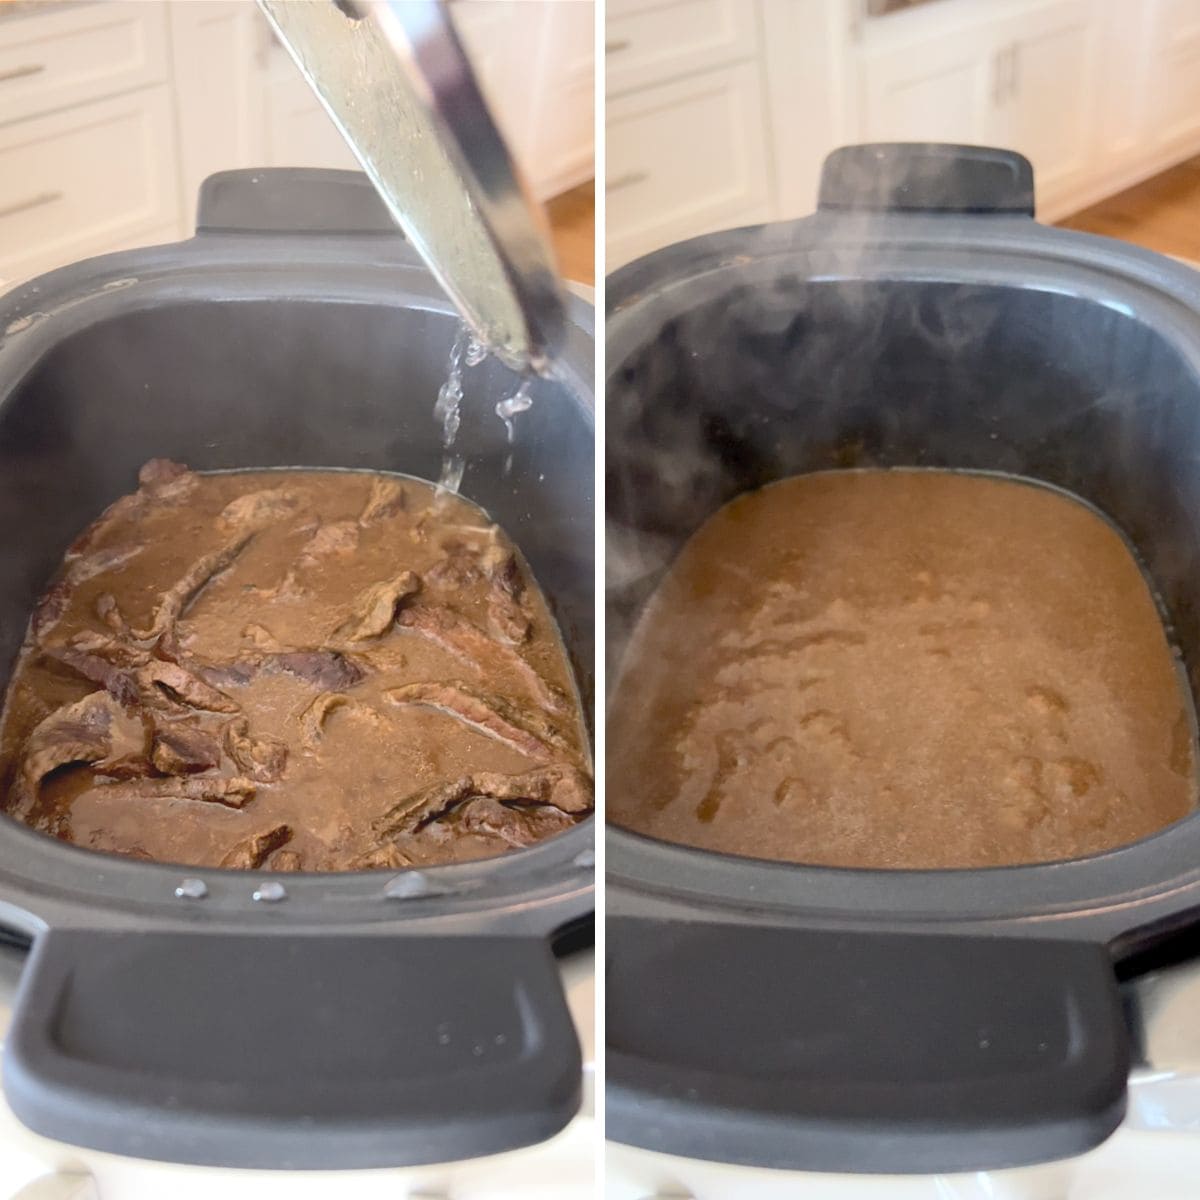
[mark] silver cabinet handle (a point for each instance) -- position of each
(37, 201)
(22, 72)
(999, 73)
(1014, 69)
(614, 185)
(1004, 74)
(616, 45)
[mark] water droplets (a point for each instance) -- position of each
(447, 410)
(476, 351)
(468, 351)
(520, 401)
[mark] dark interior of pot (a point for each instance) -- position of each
(767, 383)
(266, 383)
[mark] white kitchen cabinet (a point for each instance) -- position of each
(67, 55)
(534, 63)
(649, 41)
(1098, 94)
(1045, 104)
(218, 50)
(1173, 119)
(503, 40)
(686, 122)
(297, 131)
(944, 93)
(113, 112)
(534, 66)
(562, 145)
(85, 180)
(1024, 82)
(685, 158)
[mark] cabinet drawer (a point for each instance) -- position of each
(684, 159)
(57, 59)
(82, 181)
(651, 41)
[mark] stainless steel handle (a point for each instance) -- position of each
(621, 181)
(37, 201)
(22, 71)
(1002, 74)
(616, 45)
(1014, 69)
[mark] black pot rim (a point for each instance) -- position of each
(1122, 896)
(45, 883)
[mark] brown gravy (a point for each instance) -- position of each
(901, 669)
(294, 670)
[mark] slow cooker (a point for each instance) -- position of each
(233, 1019)
(918, 1022)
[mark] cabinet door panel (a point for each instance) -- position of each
(85, 181)
(61, 55)
(220, 49)
(935, 91)
(1047, 94)
(653, 41)
(683, 159)
(1174, 117)
(564, 125)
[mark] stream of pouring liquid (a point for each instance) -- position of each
(467, 351)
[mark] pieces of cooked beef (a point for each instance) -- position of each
(561, 786)
(257, 509)
(387, 499)
(458, 568)
(168, 684)
(174, 601)
(328, 670)
(253, 851)
(96, 731)
(208, 740)
(518, 826)
(336, 537)
(184, 749)
(526, 730)
(374, 609)
(261, 758)
(164, 479)
(469, 644)
(230, 792)
(506, 618)
(102, 659)
(54, 604)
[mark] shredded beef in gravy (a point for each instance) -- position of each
(293, 670)
(901, 669)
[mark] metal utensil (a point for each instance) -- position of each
(394, 77)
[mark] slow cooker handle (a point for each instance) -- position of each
(927, 177)
(280, 1050)
(308, 200)
(819, 1050)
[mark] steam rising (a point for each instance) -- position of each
(854, 339)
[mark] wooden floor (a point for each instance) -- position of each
(1161, 214)
(573, 224)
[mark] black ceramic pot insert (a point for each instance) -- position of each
(845, 1020)
(232, 1018)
